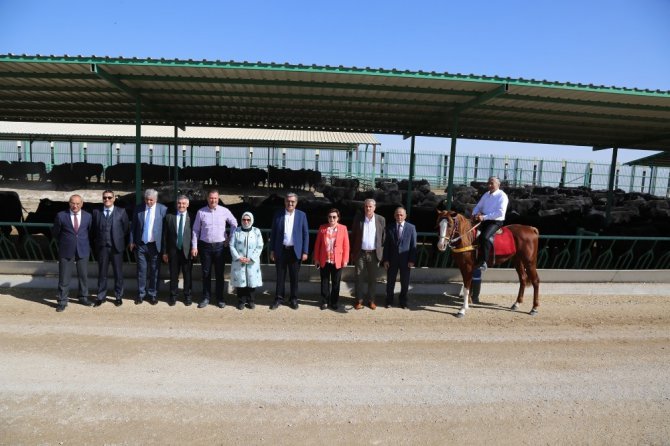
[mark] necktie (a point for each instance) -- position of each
(180, 232)
(106, 213)
(399, 233)
(147, 218)
(76, 224)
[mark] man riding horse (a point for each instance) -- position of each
(490, 213)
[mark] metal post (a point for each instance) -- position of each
(283, 158)
(562, 181)
(53, 155)
(539, 173)
(452, 159)
(316, 160)
(191, 164)
(381, 166)
(18, 151)
(118, 153)
(30, 150)
(412, 163)
(652, 180)
(632, 179)
(183, 155)
(516, 172)
(374, 162)
(85, 148)
(71, 154)
(465, 169)
(151, 153)
(476, 169)
(535, 173)
(176, 162)
(644, 177)
(610, 187)
(138, 151)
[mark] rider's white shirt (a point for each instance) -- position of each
(492, 205)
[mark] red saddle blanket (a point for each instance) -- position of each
(503, 243)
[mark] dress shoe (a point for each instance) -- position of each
(60, 307)
(118, 302)
(323, 306)
(221, 304)
(358, 305)
(138, 301)
(153, 301)
(172, 302)
(294, 304)
(85, 302)
(188, 302)
(203, 303)
(251, 305)
(240, 305)
(98, 303)
(334, 307)
(275, 304)
(388, 305)
(403, 306)
(373, 305)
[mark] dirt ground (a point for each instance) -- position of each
(587, 369)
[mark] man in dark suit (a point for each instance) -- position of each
(146, 234)
(289, 245)
(71, 229)
(177, 249)
(110, 227)
(399, 255)
(368, 234)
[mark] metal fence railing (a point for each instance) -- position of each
(583, 251)
(364, 164)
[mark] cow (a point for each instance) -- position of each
(11, 211)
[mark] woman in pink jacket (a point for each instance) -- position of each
(331, 254)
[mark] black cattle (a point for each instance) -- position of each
(18, 170)
(11, 211)
(205, 174)
(4, 169)
(89, 170)
(65, 175)
(154, 173)
(122, 172)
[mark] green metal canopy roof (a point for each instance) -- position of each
(105, 90)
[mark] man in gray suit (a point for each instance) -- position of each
(146, 234)
(368, 234)
(177, 249)
(110, 227)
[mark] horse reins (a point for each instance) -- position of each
(450, 241)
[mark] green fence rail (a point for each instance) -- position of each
(586, 251)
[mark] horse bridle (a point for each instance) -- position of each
(451, 241)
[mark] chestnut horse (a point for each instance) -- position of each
(457, 233)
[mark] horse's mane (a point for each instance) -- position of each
(464, 226)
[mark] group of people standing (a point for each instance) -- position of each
(155, 235)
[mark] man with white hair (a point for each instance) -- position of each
(490, 213)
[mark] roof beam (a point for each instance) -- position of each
(114, 80)
(624, 145)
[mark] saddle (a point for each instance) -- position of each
(503, 243)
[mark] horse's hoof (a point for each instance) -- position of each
(460, 315)
(515, 307)
(533, 312)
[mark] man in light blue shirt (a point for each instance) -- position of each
(490, 213)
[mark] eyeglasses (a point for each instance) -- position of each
(108, 197)
(332, 217)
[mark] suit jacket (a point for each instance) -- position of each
(118, 231)
(137, 227)
(341, 247)
(170, 234)
(402, 251)
(300, 234)
(70, 244)
(357, 235)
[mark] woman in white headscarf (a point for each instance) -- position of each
(245, 270)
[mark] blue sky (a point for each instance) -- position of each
(623, 43)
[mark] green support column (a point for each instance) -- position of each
(176, 162)
(412, 162)
(138, 151)
(610, 187)
(452, 161)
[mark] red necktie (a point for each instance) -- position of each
(76, 224)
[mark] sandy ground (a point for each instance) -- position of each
(587, 369)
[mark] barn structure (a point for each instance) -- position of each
(188, 93)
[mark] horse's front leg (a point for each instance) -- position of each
(467, 284)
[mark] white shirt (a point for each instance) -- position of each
(288, 228)
(492, 205)
(369, 233)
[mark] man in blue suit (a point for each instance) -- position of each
(71, 230)
(399, 255)
(146, 234)
(289, 245)
(110, 227)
